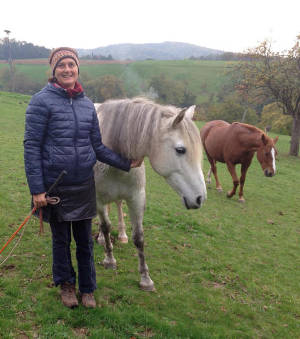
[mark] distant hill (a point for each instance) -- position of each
(157, 51)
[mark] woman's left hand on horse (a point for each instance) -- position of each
(136, 163)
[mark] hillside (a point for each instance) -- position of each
(197, 74)
(158, 51)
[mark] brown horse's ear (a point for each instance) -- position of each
(264, 139)
(275, 140)
(178, 117)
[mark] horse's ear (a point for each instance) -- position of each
(189, 113)
(97, 106)
(264, 139)
(275, 140)
(178, 117)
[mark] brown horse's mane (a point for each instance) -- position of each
(250, 127)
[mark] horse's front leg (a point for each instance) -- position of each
(136, 208)
(244, 169)
(121, 226)
(235, 180)
(105, 225)
(100, 238)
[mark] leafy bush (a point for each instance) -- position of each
(273, 119)
(17, 82)
(172, 92)
(230, 111)
(106, 87)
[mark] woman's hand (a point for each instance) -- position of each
(136, 163)
(39, 200)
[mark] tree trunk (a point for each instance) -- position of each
(294, 148)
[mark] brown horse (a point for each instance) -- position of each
(234, 144)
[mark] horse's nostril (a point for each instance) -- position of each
(198, 200)
(268, 174)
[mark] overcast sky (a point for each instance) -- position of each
(229, 25)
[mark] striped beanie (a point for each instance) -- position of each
(61, 53)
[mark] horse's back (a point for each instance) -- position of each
(205, 130)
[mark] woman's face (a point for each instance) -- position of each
(66, 72)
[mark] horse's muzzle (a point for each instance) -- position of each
(268, 173)
(193, 205)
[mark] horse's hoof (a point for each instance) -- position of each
(229, 195)
(242, 200)
(109, 264)
(100, 241)
(123, 240)
(220, 189)
(147, 287)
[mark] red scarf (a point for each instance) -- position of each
(72, 92)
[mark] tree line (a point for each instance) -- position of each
(226, 56)
(13, 49)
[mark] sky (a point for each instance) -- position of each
(228, 25)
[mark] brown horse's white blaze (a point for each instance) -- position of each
(266, 155)
(138, 128)
(235, 144)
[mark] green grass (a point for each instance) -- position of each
(228, 270)
(195, 73)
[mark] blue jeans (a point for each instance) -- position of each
(63, 270)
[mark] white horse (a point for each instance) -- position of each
(138, 128)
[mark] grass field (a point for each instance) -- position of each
(228, 270)
(136, 75)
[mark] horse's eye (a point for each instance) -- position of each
(180, 150)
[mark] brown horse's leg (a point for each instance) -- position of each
(244, 169)
(235, 180)
(213, 168)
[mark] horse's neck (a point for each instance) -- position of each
(252, 140)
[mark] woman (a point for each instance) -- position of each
(62, 133)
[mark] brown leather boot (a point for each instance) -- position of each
(68, 295)
(88, 300)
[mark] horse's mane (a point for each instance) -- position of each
(129, 126)
(251, 128)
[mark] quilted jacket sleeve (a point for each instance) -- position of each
(35, 128)
(103, 153)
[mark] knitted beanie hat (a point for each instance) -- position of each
(61, 53)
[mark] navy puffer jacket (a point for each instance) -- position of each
(63, 134)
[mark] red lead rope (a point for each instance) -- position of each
(50, 200)
(18, 230)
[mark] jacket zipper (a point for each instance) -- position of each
(75, 137)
